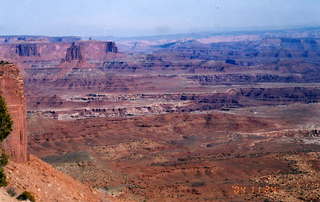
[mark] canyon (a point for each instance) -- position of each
(207, 118)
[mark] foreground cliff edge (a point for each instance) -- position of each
(27, 172)
(11, 88)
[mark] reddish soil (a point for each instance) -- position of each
(46, 183)
(176, 157)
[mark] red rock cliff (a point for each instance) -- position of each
(11, 88)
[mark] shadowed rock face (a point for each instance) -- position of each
(27, 50)
(73, 53)
(111, 47)
(11, 88)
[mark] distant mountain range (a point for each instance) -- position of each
(208, 34)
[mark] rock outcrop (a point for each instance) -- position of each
(73, 53)
(27, 50)
(111, 47)
(12, 89)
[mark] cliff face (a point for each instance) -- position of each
(11, 88)
(57, 51)
(27, 50)
(73, 53)
(111, 47)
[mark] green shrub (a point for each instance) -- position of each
(5, 120)
(5, 129)
(11, 192)
(26, 196)
(4, 159)
(3, 178)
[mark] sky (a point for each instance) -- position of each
(151, 17)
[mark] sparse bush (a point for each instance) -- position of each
(5, 120)
(3, 159)
(26, 196)
(5, 129)
(3, 162)
(3, 178)
(11, 192)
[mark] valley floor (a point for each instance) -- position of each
(266, 153)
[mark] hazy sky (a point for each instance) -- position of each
(150, 17)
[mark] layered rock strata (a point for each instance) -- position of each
(27, 50)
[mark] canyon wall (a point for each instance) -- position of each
(27, 50)
(57, 51)
(12, 89)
